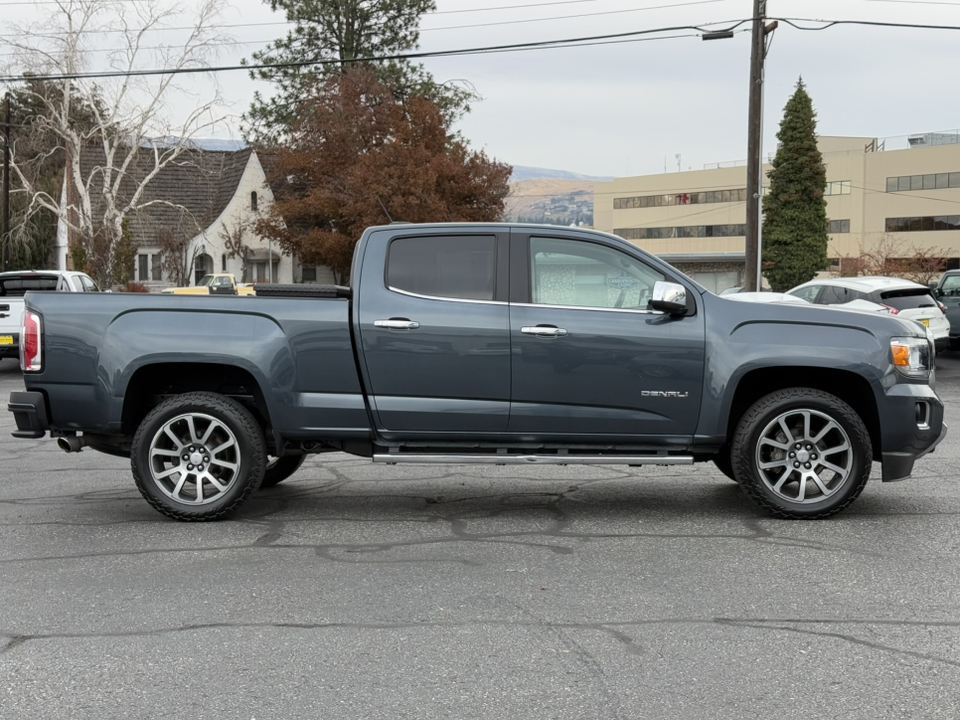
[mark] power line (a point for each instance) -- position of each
(792, 22)
(568, 17)
(490, 49)
(451, 27)
(917, 2)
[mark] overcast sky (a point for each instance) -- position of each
(630, 108)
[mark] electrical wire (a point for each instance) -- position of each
(491, 49)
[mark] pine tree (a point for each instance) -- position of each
(335, 33)
(794, 209)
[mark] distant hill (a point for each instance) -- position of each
(558, 202)
(522, 172)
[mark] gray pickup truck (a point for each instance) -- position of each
(480, 343)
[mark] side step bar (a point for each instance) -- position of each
(552, 459)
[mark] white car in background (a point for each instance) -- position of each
(17, 283)
(902, 298)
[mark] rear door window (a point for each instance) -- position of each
(833, 295)
(20, 285)
(444, 266)
(808, 293)
(908, 299)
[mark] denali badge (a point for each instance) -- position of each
(664, 394)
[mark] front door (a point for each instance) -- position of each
(589, 359)
(435, 333)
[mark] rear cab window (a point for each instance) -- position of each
(909, 299)
(461, 267)
(20, 285)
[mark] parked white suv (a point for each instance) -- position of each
(15, 284)
(903, 298)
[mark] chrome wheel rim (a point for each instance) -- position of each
(804, 456)
(194, 459)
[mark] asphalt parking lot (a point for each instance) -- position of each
(362, 591)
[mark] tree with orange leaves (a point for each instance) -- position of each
(359, 158)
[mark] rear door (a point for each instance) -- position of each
(434, 331)
(590, 360)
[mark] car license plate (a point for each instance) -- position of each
(6, 339)
(925, 322)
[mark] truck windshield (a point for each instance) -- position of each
(19, 285)
(205, 281)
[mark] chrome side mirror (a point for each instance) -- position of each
(670, 298)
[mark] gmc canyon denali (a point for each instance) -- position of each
(480, 343)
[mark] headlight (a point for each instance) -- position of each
(911, 356)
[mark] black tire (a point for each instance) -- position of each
(724, 463)
(279, 469)
(198, 456)
(798, 480)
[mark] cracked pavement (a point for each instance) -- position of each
(361, 591)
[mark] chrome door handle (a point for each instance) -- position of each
(543, 331)
(397, 324)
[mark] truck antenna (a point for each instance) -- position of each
(384, 209)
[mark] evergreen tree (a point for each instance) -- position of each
(337, 32)
(794, 209)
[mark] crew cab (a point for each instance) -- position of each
(15, 284)
(481, 343)
(214, 284)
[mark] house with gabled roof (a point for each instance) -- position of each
(212, 198)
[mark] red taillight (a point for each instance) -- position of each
(891, 310)
(31, 343)
(943, 308)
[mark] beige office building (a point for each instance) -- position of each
(696, 220)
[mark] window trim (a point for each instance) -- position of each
(500, 295)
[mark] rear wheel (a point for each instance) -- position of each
(802, 453)
(279, 469)
(198, 456)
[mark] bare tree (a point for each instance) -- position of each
(892, 256)
(111, 161)
(235, 246)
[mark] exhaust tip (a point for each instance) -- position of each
(70, 443)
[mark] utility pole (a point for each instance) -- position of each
(6, 182)
(758, 53)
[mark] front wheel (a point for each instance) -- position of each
(802, 453)
(198, 456)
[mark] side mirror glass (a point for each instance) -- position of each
(670, 298)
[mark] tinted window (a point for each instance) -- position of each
(583, 274)
(443, 266)
(18, 285)
(833, 295)
(908, 299)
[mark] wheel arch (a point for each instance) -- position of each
(151, 383)
(850, 387)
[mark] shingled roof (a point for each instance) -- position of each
(195, 189)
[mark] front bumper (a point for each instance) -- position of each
(30, 412)
(912, 426)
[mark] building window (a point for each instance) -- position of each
(690, 198)
(253, 201)
(693, 231)
(223, 263)
(837, 187)
(839, 226)
(156, 267)
(923, 224)
(309, 274)
(142, 267)
(931, 181)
